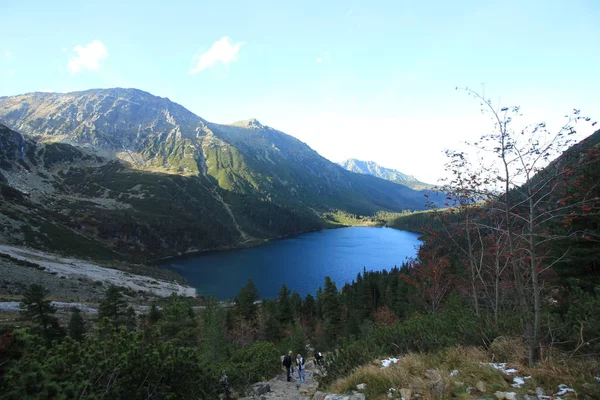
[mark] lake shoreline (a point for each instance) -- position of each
(301, 262)
(245, 245)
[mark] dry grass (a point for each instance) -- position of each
(427, 375)
(508, 349)
(430, 375)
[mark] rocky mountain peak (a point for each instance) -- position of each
(372, 168)
(251, 123)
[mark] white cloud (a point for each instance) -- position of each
(222, 51)
(324, 58)
(88, 57)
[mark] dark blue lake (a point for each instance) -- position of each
(301, 262)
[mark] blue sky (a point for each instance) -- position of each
(366, 79)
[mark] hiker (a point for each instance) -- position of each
(319, 358)
(287, 363)
(300, 364)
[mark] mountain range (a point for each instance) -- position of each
(372, 168)
(129, 174)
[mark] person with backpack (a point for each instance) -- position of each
(300, 365)
(287, 363)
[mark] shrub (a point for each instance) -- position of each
(261, 361)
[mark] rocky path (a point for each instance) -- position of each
(279, 388)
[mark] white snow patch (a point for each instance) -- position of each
(389, 361)
(502, 368)
(519, 381)
(75, 268)
(564, 389)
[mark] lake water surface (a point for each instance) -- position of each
(301, 262)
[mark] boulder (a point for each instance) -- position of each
(506, 395)
(259, 388)
(481, 386)
(319, 396)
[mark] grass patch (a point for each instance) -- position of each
(464, 372)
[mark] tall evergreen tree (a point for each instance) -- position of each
(155, 315)
(296, 303)
(332, 310)
(245, 301)
(309, 311)
(214, 339)
(270, 326)
(284, 306)
(113, 306)
(178, 321)
(36, 308)
(77, 328)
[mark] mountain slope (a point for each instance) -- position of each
(372, 168)
(174, 181)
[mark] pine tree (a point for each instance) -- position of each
(178, 321)
(155, 315)
(270, 326)
(332, 310)
(113, 306)
(296, 303)
(284, 306)
(245, 302)
(214, 339)
(40, 311)
(309, 311)
(130, 319)
(77, 328)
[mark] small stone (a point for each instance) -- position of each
(540, 392)
(481, 386)
(499, 395)
(361, 386)
(510, 395)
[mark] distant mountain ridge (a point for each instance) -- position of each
(128, 153)
(372, 168)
